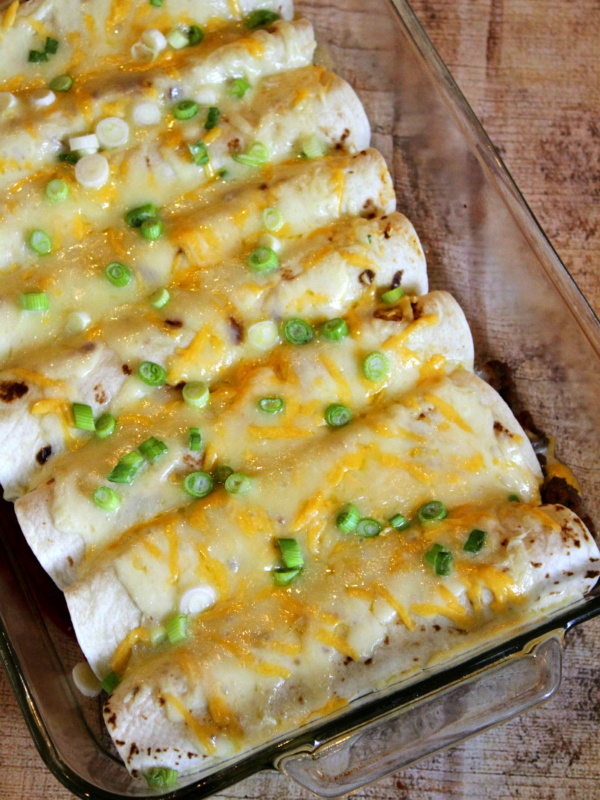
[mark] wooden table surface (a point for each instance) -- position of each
(531, 71)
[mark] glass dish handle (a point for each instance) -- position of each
(430, 723)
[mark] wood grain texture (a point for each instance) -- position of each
(530, 69)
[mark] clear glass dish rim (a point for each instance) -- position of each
(369, 710)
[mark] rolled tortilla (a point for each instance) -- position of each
(454, 434)
(75, 280)
(284, 657)
(63, 526)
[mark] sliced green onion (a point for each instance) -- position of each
(127, 468)
(393, 295)
(291, 553)
(375, 366)
(135, 216)
(34, 301)
(263, 259)
(118, 274)
(57, 190)
(260, 17)
(475, 541)
(297, 331)
(159, 298)
(399, 522)
(51, 45)
(37, 56)
(367, 528)
(158, 777)
(152, 449)
(152, 229)
(185, 109)
(40, 243)
(158, 635)
(238, 483)
(272, 219)
(334, 329)
(255, 156)
(152, 374)
(83, 416)
(156, 3)
(196, 394)
(313, 147)
(178, 38)
(348, 518)
(222, 472)
(263, 334)
(514, 498)
(110, 682)
(198, 484)
(177, 628)
(62, 83)
(271, 405)
(199, 153)
(440, 559)
(283, 576)
(195, 35)
(105, 425)
(239, 87)
(195, 439)
(69, 158)
(337, 415)
(432, 511)
(106, 498)
(212, 118)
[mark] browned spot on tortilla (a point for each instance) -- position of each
(126, 369)
(70, 560)
(99, 394)
(43, 454)
(535, 564)
(12, 390)
(366, 277)
(592, 573)
(174, 323)
(238, 329)
(391, 314)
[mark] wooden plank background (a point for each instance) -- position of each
(531, 71)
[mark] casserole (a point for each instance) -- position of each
(467, 290)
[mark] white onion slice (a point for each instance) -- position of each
(206, 96)
(87, 142)
(78, 321)
(141, 52)
(197, 599)
(146, 114)
(178, 38)
(263, 334)
(112, 132)
(92, 171)
(85, 680)
(7, 101)
(154, 40)
(272, 242)
(43, 98)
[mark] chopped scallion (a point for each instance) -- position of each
(367, 528)
(238, 483)
(51, 46)
(337, 415)
(118, 274)
(156, 3)
(348, 518)
(291, 553)
(105, 425)
(432, 512)
(61, 83)
(83, 417)
(199, 153)
(177, 628)
(152, 374)
(392, 295)
(34, 301)
(222, 472)
(313, 147)
(195, 439)
(261, 17)
(297, 331)
(185, 109)
(37, 57)
(375, 366)
(475, 541)
(399, 522)
(440, 559)
(272, 219)
(196, 394)
(152, 449)
(159, 298)
(110, 682)
(334, 329)
(152, 229)
(212, 118)
(255, 156)
(40, 243)
(127, 468)
(239, 87)
(106, 498)
(195, 35)
(271, 405)
(263, 259)
(57, 190)
(135, 216)
(159, 777)
(198, 484)
(514, 498)
(283, 576)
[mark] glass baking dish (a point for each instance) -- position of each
(484, 246)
